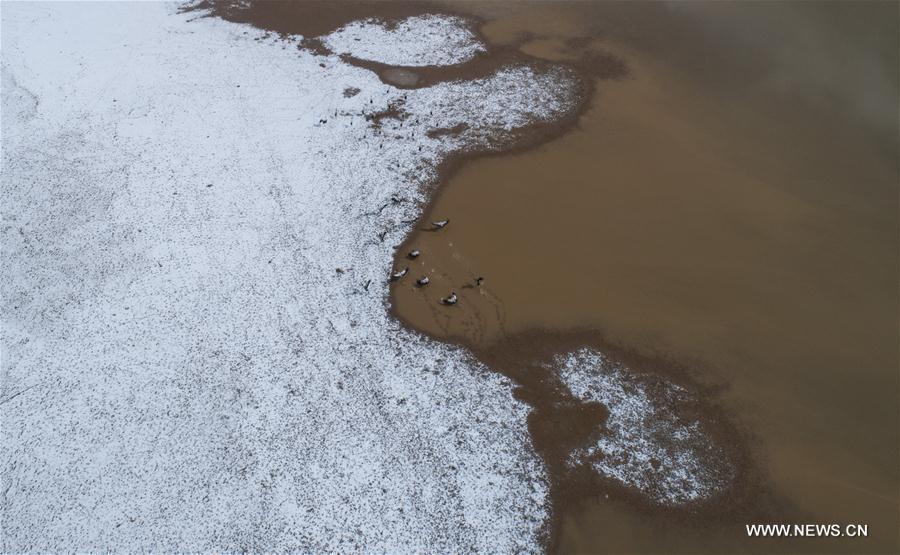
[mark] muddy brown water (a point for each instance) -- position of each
(725, 211)
(729, 204)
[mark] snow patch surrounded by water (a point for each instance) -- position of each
(427, 40)
(646, 445)
(184, 368)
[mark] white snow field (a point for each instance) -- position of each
(183, 367)
(427, 40)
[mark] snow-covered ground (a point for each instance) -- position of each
(416, 41)
(184, 368)
(647, 444)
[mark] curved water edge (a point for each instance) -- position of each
(221, 370)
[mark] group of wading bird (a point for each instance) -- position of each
(450, 299)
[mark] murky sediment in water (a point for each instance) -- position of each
(730, 204)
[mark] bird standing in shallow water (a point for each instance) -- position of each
(422, 281)
(478, 281)
(413, 254)
(451, 300)
(397, 275)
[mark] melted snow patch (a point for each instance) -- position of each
(646, 445)
(428, 40)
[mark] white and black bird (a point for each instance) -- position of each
(451, 300)
(397, 275)
(439, 224)
(422, 281)
(413, 254)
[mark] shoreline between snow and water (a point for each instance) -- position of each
(199, 353)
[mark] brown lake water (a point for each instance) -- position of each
(730, 204)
